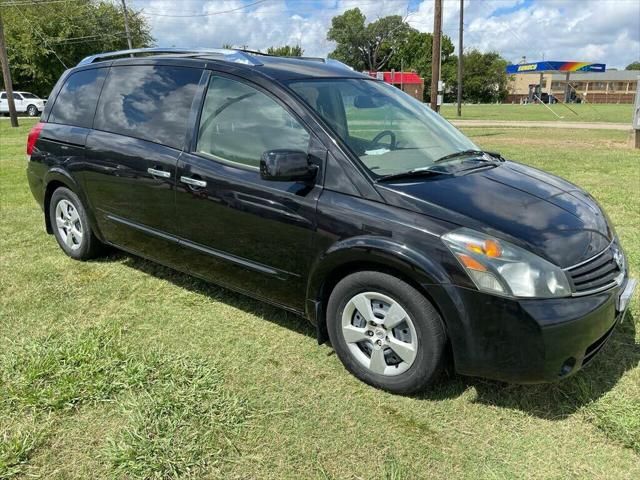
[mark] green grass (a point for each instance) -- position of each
(120, 368)
(622, 113)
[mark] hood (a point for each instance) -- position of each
(543, 213)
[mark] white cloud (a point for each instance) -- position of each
(583, 30)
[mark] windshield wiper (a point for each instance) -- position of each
(416, 172)
(465, 153)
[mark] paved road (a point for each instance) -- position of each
(504, 123)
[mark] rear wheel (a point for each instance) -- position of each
(71, 226)
(32, 110)
(385, 332)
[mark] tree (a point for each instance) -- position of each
(633, 66)
(37, 32)
(414, 54)
(286, 51)
(366, 46)
(485, 77)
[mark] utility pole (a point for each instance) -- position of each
(460, 53)
(435, 54)
(6, 75)
(126, 25)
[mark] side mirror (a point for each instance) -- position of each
(286, 165)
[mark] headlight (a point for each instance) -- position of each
(496, 266)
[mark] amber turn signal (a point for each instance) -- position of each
(490, 248)
(471, 263)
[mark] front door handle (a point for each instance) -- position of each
(193, 182)
(159, 173)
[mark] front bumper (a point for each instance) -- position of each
(532, 341)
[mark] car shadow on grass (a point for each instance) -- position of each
(553, 401)
(247, 304)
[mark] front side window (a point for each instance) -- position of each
(388, 130)
(30, 96)
(76, 103)
(148, 102)
(239, 123)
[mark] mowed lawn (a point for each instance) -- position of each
(120, 368)
(584, 112)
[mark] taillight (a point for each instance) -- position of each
(33, 137)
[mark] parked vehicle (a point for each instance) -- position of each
(336, 196)
(548, 98)
(25, 102)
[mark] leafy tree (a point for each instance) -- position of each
(484, 78)
(286, 51)
(633, 66)
(366, 46)
(36, 33)
(415, 53)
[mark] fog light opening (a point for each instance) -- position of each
(567, 367)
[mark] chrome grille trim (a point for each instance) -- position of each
(589, 260)
(615, 269)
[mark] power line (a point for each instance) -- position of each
(31, 2)
(42, 38)
(96, 38)
(211, 14)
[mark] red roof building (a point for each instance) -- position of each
(409, 82)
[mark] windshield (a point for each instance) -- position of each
(390, 131)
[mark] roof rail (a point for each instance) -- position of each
(236, 56)
(327, 61)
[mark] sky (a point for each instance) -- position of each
(602, 31)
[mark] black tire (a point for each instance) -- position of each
(32, 111)
(88, 246)
(431, 335)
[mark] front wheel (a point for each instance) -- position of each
(32, 110)
(386, 332)
(71, 225)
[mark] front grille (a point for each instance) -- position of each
(598, 273)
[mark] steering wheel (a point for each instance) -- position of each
(384, 133)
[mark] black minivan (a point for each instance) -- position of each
(336, 196)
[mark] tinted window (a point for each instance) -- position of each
(3, 96)
(30, 95)
(76, 102)
(239, 123)
(17, 96)
(148, 102)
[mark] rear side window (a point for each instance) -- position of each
(148, 102)
(76, 103)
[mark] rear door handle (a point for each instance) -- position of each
(193, 181)
(159, 173)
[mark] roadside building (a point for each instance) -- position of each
(610, 86)
(408, 82)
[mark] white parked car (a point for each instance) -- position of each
(25, 102)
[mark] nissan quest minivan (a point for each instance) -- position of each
(336, 196)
